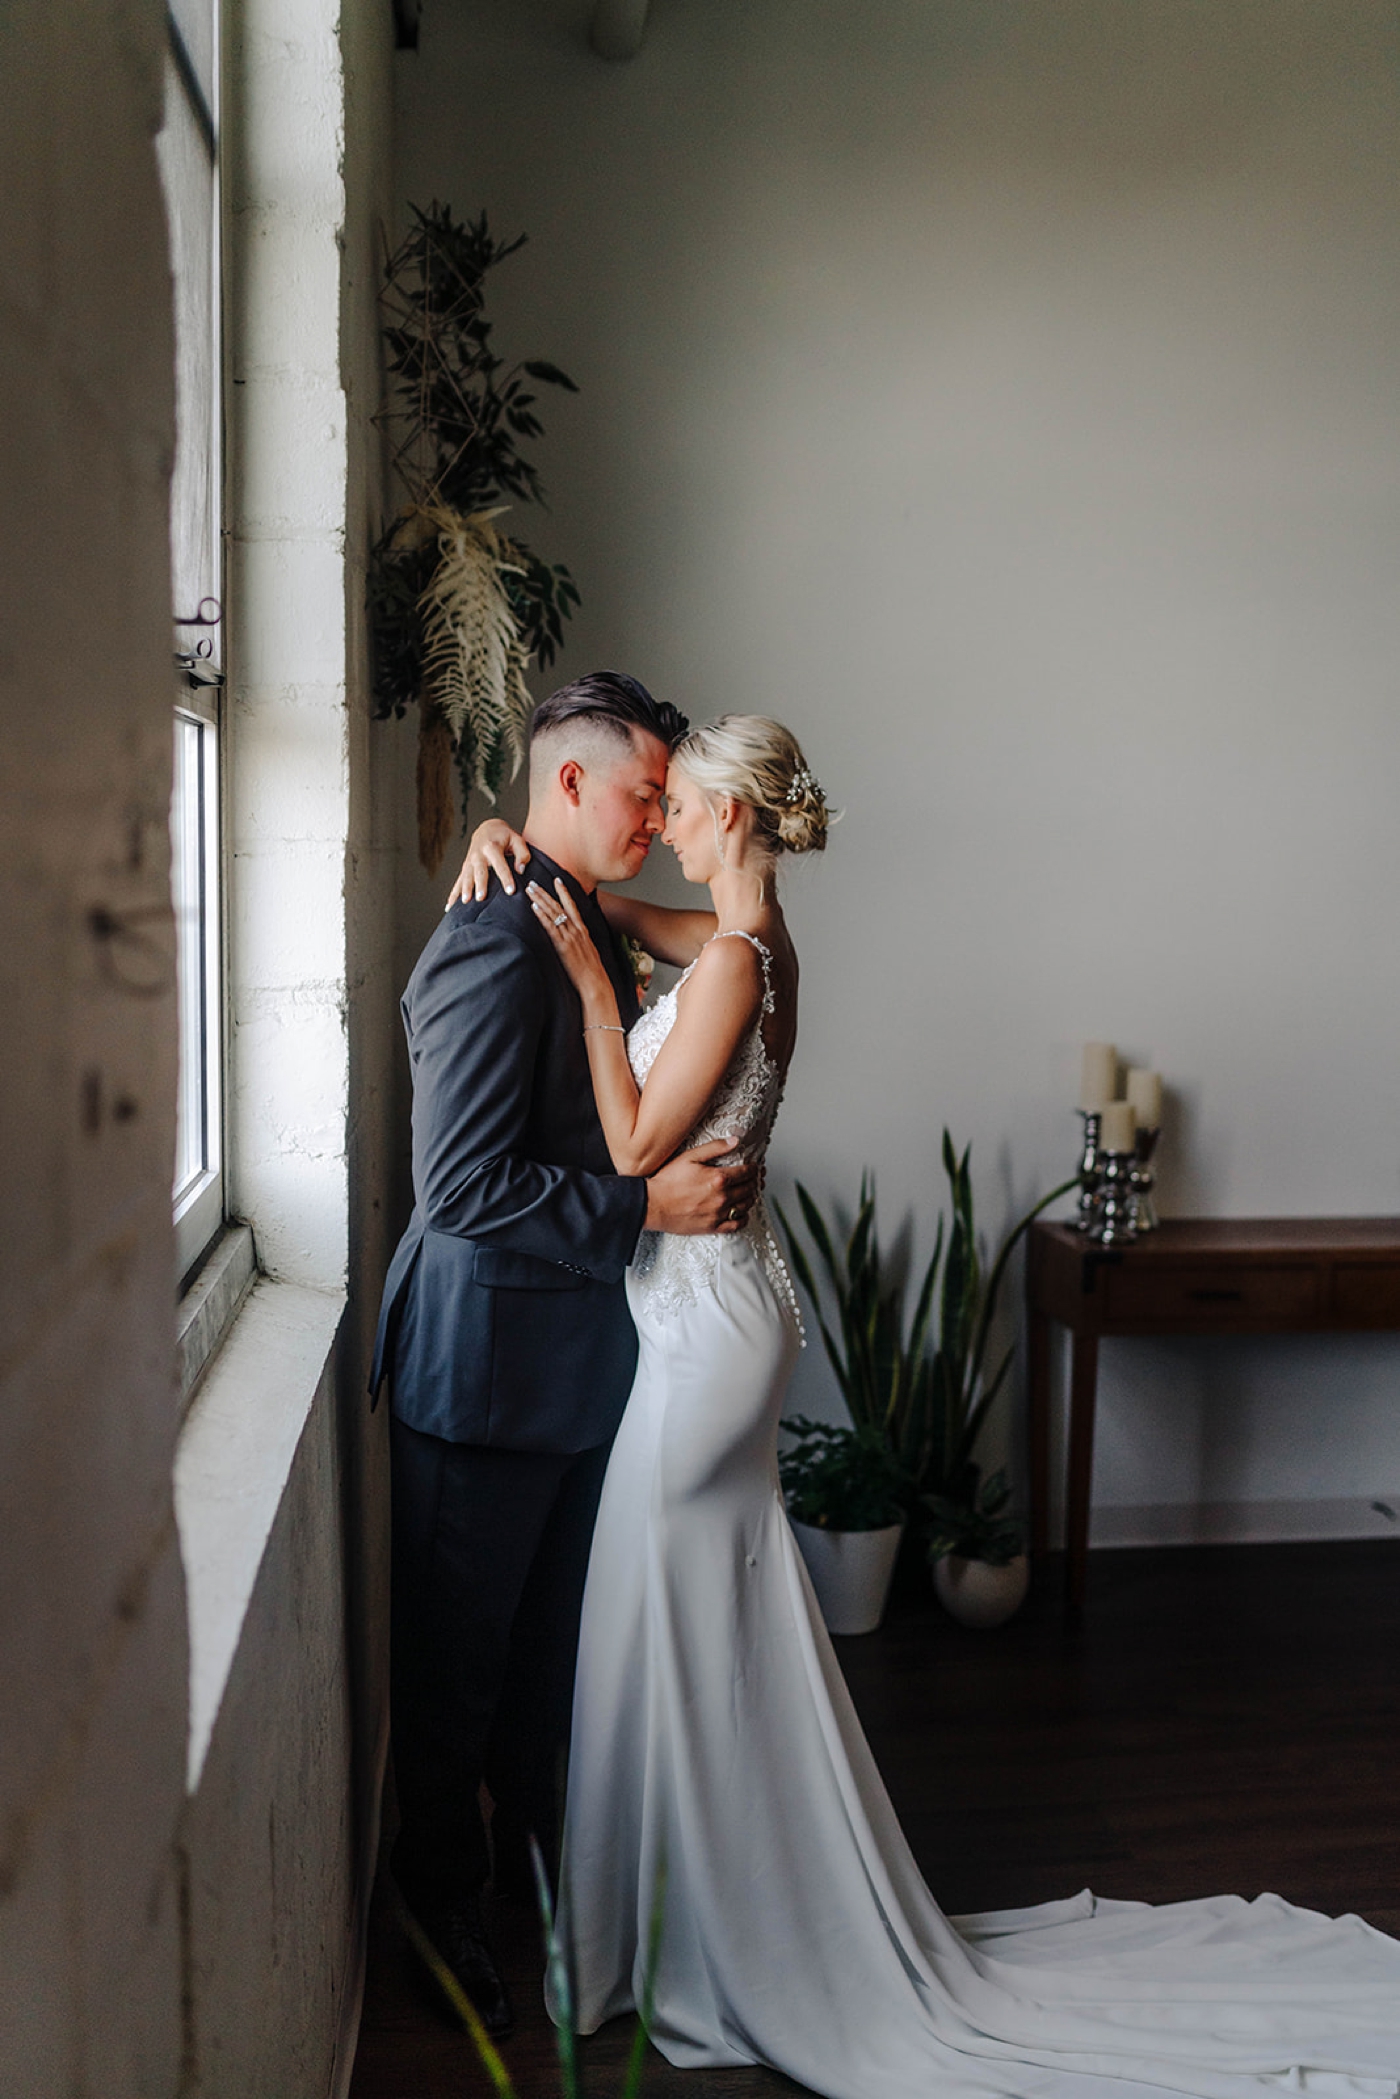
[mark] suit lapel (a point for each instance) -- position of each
(615, 960)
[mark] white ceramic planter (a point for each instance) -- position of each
(978, 1595)
(851, 1573)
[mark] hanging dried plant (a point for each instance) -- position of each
(436, 815)
(458, 608)
(473, 652)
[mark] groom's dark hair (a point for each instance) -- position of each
(616, 703)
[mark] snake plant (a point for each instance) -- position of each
(927, 1392)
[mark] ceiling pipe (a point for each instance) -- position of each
(618, 27)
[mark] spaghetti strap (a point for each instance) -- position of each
(764, 955)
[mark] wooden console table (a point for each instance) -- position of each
(1274, 1275)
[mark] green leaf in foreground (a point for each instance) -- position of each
(459, 2000)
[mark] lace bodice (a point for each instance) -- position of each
(672, 1270)
(744, 1105)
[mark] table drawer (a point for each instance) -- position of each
(1199, 1298)
(1364, 1294)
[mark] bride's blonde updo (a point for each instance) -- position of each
(760, 763)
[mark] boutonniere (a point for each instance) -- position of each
(642, 967)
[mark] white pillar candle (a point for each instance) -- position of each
(1119, 1131)
(1098, 1081)
(1145, 1096)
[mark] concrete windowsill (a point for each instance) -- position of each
(210, 1306)
(232, 1463)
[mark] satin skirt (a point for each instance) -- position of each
(718, 1770)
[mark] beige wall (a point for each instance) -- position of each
(92, 1630)
(1007, 397)
(154, 1941)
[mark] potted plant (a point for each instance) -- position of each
(974, 1543)
(845, 1493)
(980, 1572)
(850, 1490)
(924, 1398)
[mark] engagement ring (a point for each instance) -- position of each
(562, 919)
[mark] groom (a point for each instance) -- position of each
(504, 1331)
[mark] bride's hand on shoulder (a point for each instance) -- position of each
(491, 849)
(573, 944)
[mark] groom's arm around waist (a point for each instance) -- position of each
(481, 1014)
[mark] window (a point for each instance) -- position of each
(194, 829)
(189, 166)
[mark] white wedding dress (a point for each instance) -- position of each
(716, 1755)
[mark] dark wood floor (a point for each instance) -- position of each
(1219, 1718)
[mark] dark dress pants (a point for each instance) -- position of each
(490, 1550)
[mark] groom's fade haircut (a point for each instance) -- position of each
(583, 719)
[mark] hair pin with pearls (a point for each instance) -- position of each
(803, 783)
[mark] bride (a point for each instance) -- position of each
(716, 1755)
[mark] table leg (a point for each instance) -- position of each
(1083, 1386)
(1038, 1409)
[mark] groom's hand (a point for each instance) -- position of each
(693, 1193)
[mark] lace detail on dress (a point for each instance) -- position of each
(671, 1269)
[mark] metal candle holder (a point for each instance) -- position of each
(1115, 1222)
(1090, 1170)
(1142, 1180)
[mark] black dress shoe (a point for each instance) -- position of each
(458, 1936)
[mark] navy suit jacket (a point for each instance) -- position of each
(504, 1320)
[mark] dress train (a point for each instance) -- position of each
(715, 1744)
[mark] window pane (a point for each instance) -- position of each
(187, 147)
(188, 176)
(188, 854)
(194, 870)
